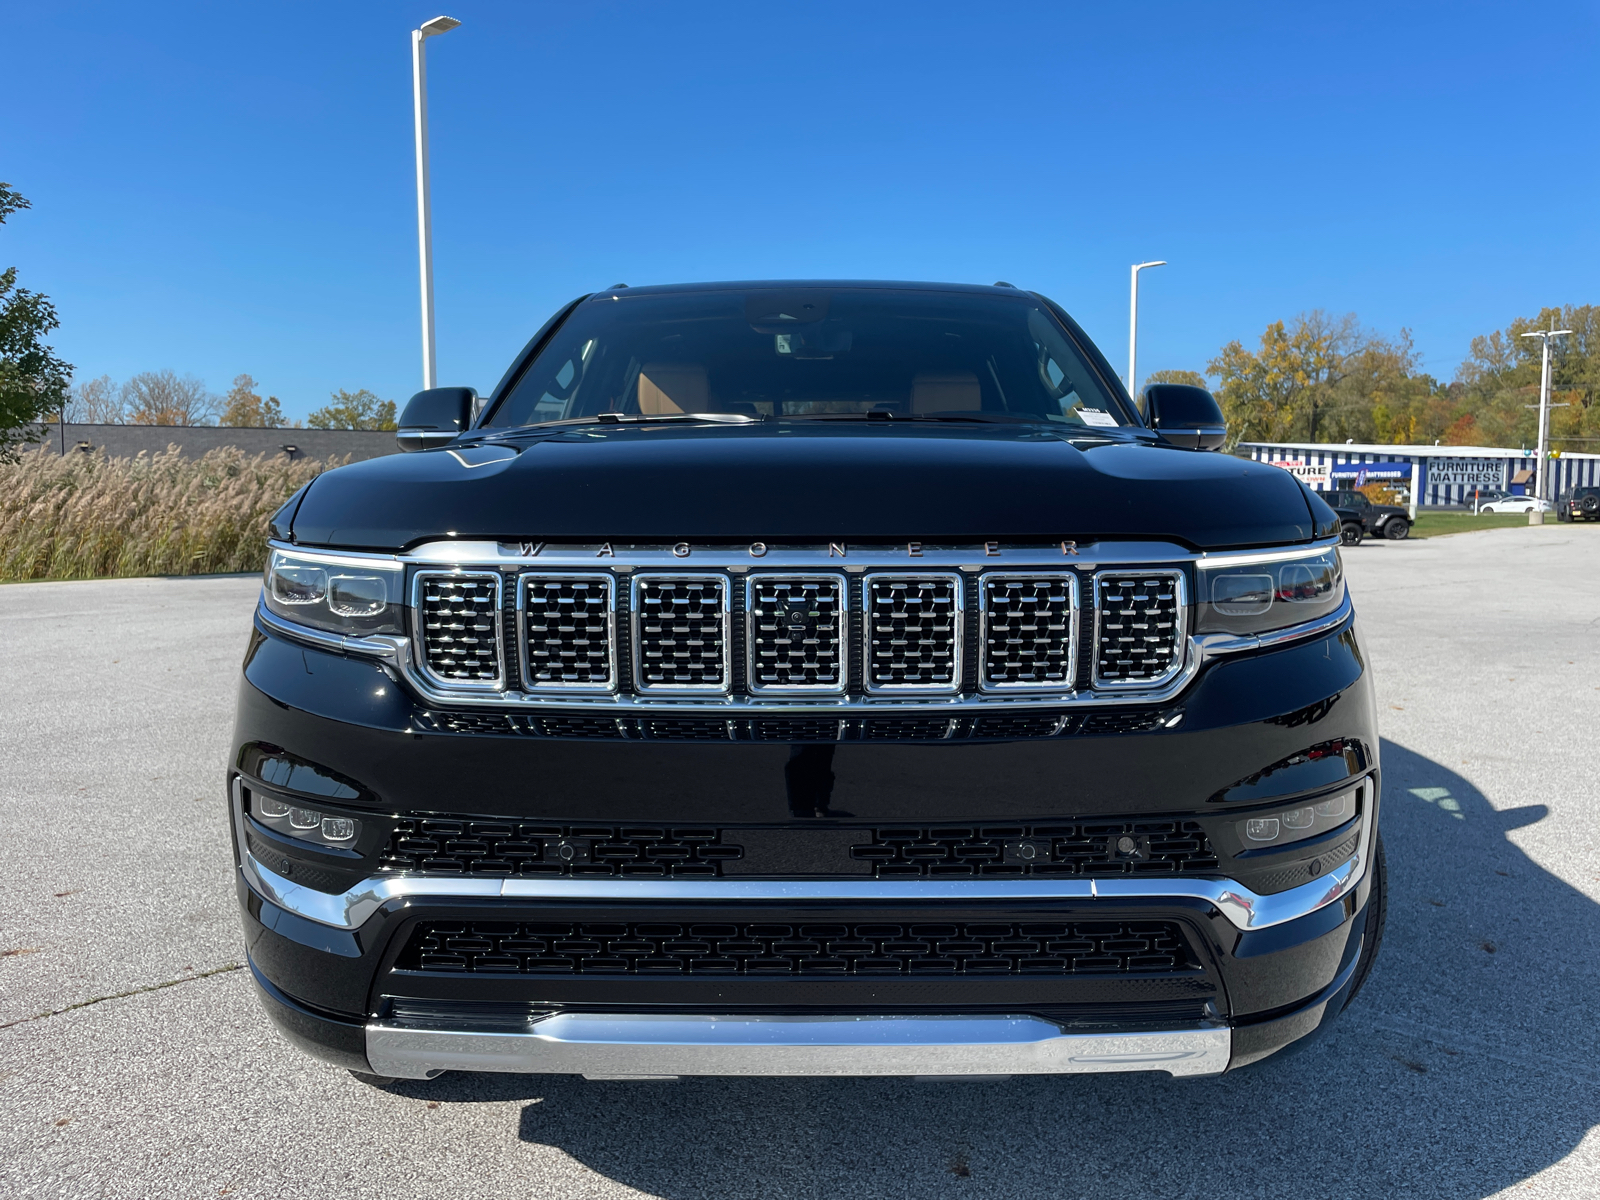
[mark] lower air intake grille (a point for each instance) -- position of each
(1027, 631)
(680, 633)
(460, 627)
(990, 948)
(1139, 630)
(1099, 849)
(913, 632)
(447, 846)
(796, 633)
(567, 623)
(797, 729)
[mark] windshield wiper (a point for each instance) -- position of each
(611, 418)
(981, 418)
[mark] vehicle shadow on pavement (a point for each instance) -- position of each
(1466, 1066)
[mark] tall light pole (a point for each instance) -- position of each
(1544, 336)
(419, 112)
(1133, 320)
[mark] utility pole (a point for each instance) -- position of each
(1543, 452)
(1133, 322)
(419, 113)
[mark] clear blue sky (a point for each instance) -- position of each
(221, 188)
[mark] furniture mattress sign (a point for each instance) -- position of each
(1469, 472)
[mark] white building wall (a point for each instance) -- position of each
(1447, 472)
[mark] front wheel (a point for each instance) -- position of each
(1397, 530)
(1350, 533)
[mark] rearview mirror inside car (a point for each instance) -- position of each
(1185, 415)
(436, 417)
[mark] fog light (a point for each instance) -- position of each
(1300, 818)
(1261, 829)
(1337, 807)
(304, 818)
(265, 807)
(338, 829)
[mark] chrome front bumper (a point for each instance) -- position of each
(638, 1046)
(1244, 908)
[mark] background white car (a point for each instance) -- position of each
(1517, 504)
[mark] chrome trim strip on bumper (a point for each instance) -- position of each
(1244, 908)
(613, 1045)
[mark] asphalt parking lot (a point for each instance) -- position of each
(134, 1061)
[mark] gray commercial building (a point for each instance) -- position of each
(128, 441)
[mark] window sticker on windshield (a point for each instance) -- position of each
(1096, 416)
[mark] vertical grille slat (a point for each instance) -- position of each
(795, 639)
(568, 632)
(913, 632)
(459, 622)
(1028, 625)
(1138, 627)
(680, 633)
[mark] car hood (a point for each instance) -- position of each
(782, 481)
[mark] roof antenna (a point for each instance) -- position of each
(615, 286)
(1003, 283)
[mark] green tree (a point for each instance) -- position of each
(244, 407)
(1274, 394)
(1498, 384)
(354, 410)
(33, 381)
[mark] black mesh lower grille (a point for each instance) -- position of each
(485, 846)
(1097, 849)
(966, 948)
(446, 846)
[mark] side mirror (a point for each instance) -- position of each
(1185, 416)
(436, 417)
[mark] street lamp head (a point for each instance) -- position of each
(1160, 262)
(438, 25)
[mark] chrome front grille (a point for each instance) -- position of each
(805, 641)
(680, 633)
(568, 639)
(1028, 640)
(795, 638)
(459, 620)
(913, 632)
(1139, 628)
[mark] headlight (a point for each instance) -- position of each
(1259, 597)
(337, 594)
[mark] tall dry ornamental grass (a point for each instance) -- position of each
(84, 516)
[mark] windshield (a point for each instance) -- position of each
(812, 353)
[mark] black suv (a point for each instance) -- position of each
(1582, 504)
(1379, 520)
(806, 679)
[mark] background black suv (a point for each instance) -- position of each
(1583, 504)
(1379, 520)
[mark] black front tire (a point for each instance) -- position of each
(1397, 530)
(1377, 915)
(1351, 533)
